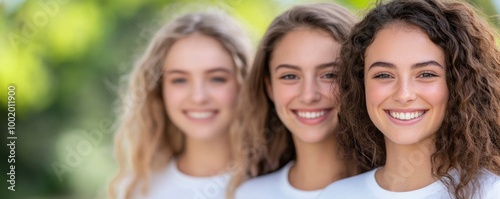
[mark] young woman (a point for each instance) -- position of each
(420, 93)
(288, 115)
(174, 138)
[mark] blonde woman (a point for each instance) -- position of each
(174, 137)
(288, 115)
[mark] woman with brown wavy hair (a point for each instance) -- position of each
(287, 114)
(420, 100)
(173, 141)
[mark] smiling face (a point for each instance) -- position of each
(301, 68)
(199, 86)
(405, 81)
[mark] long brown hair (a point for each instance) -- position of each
(147, 139)
(263, 143)
(469, 137)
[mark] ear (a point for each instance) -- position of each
(269, 88)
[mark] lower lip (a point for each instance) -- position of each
(405, 122)
(313, 121)
(204, 120)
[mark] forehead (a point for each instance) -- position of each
(305, 47)
(197, 52)
(403, 44)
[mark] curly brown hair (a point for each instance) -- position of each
(469, 137)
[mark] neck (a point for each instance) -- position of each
(407, 167)
(317, 165)
(205, 157)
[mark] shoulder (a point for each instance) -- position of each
(494, 192)
(123, 185)
(490, 184)
(258, 186)
(348, 187)
(155, 181)
(171, 183)
(347, 183)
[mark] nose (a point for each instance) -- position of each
(199, 93)
(405, 92)
(310, 91)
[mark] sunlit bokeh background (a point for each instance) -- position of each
(66, 59)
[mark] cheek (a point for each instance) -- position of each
(283, 94)
(438, 95)
(330, 91)
(227, 94)
(374, 94)
(173, 97)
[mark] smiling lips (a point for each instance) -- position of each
(312, 117)
(406, 116)
(200, 115)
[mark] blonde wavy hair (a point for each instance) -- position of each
(146, 139)
(263, 144)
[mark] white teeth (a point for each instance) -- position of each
(310, 115)
(407, 115)
(200, 115)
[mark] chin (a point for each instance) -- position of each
(211, 134)
(405, 140)
(311, 139)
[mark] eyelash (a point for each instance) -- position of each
(288, 77)
(178, 81)
(214, 79)
(427, 74)
(333, 75)
(218, 79)
(382, 76)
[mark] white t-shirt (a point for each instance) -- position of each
(365, 186)
(172, 183)
(273, 186)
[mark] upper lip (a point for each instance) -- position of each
(312, 110)
(200, 110)
(406, 110)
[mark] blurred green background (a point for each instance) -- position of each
(66, 59)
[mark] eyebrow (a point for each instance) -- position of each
(321, 66)
(214, 70)
(219, 69)
(417, 65)
(175, 71)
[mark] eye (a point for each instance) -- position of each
(218, 79)
(289, 76)
(427, 75)
(178, 81)
(330, 75)
(382, 76)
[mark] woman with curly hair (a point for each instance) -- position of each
(173, 141)
(288, 115)
(420, 100)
